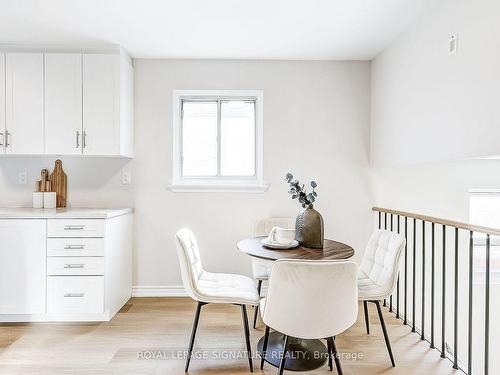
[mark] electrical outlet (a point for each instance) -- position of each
(126, 178)
(22, 178)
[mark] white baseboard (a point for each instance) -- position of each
(158, 291)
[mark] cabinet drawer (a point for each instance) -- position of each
(74, 247)
(85, 266)
(76, 228)
(75, 294)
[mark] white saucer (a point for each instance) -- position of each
(281, 246)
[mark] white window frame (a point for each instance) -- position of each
(251, 184)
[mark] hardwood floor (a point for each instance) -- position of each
(148, 330)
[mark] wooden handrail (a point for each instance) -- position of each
(437, 220)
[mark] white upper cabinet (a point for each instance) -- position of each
(2, 103)
(24, 103)
(107, 105)
(63, 103)
(66, 103)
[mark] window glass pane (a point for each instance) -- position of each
(199, 139)
(237, 138)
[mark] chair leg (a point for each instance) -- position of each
(335, 356)
(367, 319)
(283, 358)
(264, 348)
(193, 333)
(384, 330)
(330, 354)
(247, 335)
(256, 309)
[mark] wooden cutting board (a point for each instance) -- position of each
(59, 184)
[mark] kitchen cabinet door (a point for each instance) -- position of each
(101, 104)
(22, 266)
(63, 104)
(2, 103)
(24, 104)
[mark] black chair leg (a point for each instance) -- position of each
(193, 334)
(264, 348)
(256, 309)
(247, 335)
(283, 358)
(330, 354)
(335, 356)
(367, 319)
(384, 330)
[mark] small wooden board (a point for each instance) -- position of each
(59, 184)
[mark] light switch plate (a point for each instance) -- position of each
(126, 178)
(22, 178)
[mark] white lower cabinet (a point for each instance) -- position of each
(75, 294)
(65, 269)
(75, 266)
(22, 266)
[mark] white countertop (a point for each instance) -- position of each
(63, 213)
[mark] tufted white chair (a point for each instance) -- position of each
(206, 287)
(261, 268)
(378, 274)
(310, 299)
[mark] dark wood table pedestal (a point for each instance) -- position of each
(301, 355)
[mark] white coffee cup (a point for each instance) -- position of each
(282, 235)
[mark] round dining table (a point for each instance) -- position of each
(302, 354)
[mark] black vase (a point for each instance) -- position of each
(309, 230)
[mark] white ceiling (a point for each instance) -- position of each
(232, 29)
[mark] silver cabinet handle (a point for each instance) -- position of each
(75, 295)
(7, 138)
(1, 134)
(77, 139)
(74, 227)
(81, 265)
(84, 138)
(74, 247)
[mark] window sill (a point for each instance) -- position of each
(218, 188)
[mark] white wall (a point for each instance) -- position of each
(316, 118)
(316, 125)
(428, 105)
(432, 110)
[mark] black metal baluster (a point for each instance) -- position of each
(471, 263)
(385, 227)
(414, 271)
(443, 295)
(432, 284)
(487, 310)
(397, 285)
(455, 313)
(405, 321)
(390, 298)
(422, 336)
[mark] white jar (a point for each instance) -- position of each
(49, 199)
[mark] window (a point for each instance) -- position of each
(217, 139)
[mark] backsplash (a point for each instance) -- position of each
(92, 182)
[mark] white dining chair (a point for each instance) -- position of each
(378, 274)
(261, 268)
(206, 287)
(310, 299)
